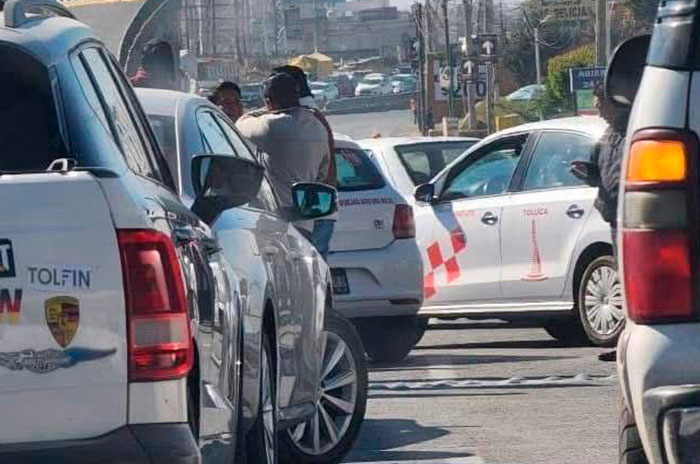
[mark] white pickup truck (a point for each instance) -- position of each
(118, 318)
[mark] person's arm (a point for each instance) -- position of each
(328, 166)
(254, 129)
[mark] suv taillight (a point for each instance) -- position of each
(160, 345)
(404, 225)
(660, 217)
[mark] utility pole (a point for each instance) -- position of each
(448, 54)
(276, 26)
(421, 76)
(601, 13)
(469, 86)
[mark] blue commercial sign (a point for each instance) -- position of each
(586, 78)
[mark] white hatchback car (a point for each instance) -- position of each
(375, 261)
(507, 231)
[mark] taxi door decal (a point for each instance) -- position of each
(458, 241)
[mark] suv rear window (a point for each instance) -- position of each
(423, 161)
(30, 138)
(355, 171)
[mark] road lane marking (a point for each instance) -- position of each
(534, 382)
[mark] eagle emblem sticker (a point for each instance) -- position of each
(62, 317)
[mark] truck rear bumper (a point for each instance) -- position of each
(135, 444)
(659, 372)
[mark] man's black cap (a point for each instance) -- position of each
(299, 76)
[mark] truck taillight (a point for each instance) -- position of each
(660, 217)
(160, 344)
(404, 224)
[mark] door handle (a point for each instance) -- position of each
(575, 212)
(270, 250)
(489, 218)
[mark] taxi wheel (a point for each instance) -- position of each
(261, 441)
(630, 445)
(599, 302)
(390, 339)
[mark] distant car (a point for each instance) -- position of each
(287, 291)
(373, 85)
(507, 231)
(344, 83)
(403, 83)
(375, 261)
(528, 93)
(323, 91)
(251, 96)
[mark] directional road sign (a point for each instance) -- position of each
(488, 46)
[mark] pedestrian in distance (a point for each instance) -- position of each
(227, 96)
(294, 142)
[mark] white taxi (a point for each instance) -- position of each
(507, 231)
(374, 258)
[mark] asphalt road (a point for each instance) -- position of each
(387, 123)
(489, 393)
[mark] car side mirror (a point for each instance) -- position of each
(313, 200)
(587, 172)
(424, 193)
(625, 70)
(221, 182)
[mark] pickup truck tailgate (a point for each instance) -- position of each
(63, 353)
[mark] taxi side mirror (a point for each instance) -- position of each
(425, 193)
(314, 200)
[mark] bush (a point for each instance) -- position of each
(558, 87)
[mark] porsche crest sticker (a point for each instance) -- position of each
(62, 317)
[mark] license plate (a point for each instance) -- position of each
(340, 282)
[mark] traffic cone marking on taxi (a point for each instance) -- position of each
(535, 273)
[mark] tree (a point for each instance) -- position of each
(644, 11)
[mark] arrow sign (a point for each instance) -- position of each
(488, 46)
(469, 67)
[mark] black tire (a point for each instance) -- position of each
(569, 332)
(630, 445)
(256, 443)
(609, 338)
(390, 339)
(290, 451)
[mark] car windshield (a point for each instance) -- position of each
(30, 135)
(356, 171)
(422, 161)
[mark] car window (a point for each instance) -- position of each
(355, 171)
(239, 146)
(164, 131)
(126, 133)
(423, 161)
(550, 166)
(213, 136)
(30, 138)
(487, 172)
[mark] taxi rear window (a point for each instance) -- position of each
(355, 171)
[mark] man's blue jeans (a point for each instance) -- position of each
(321, 235)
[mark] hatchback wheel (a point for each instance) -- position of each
(600, 302)
(340, 403)
(390, 339)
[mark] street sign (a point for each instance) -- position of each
(470, 70)
(488, 46)
(586, 78)
(568, 10)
